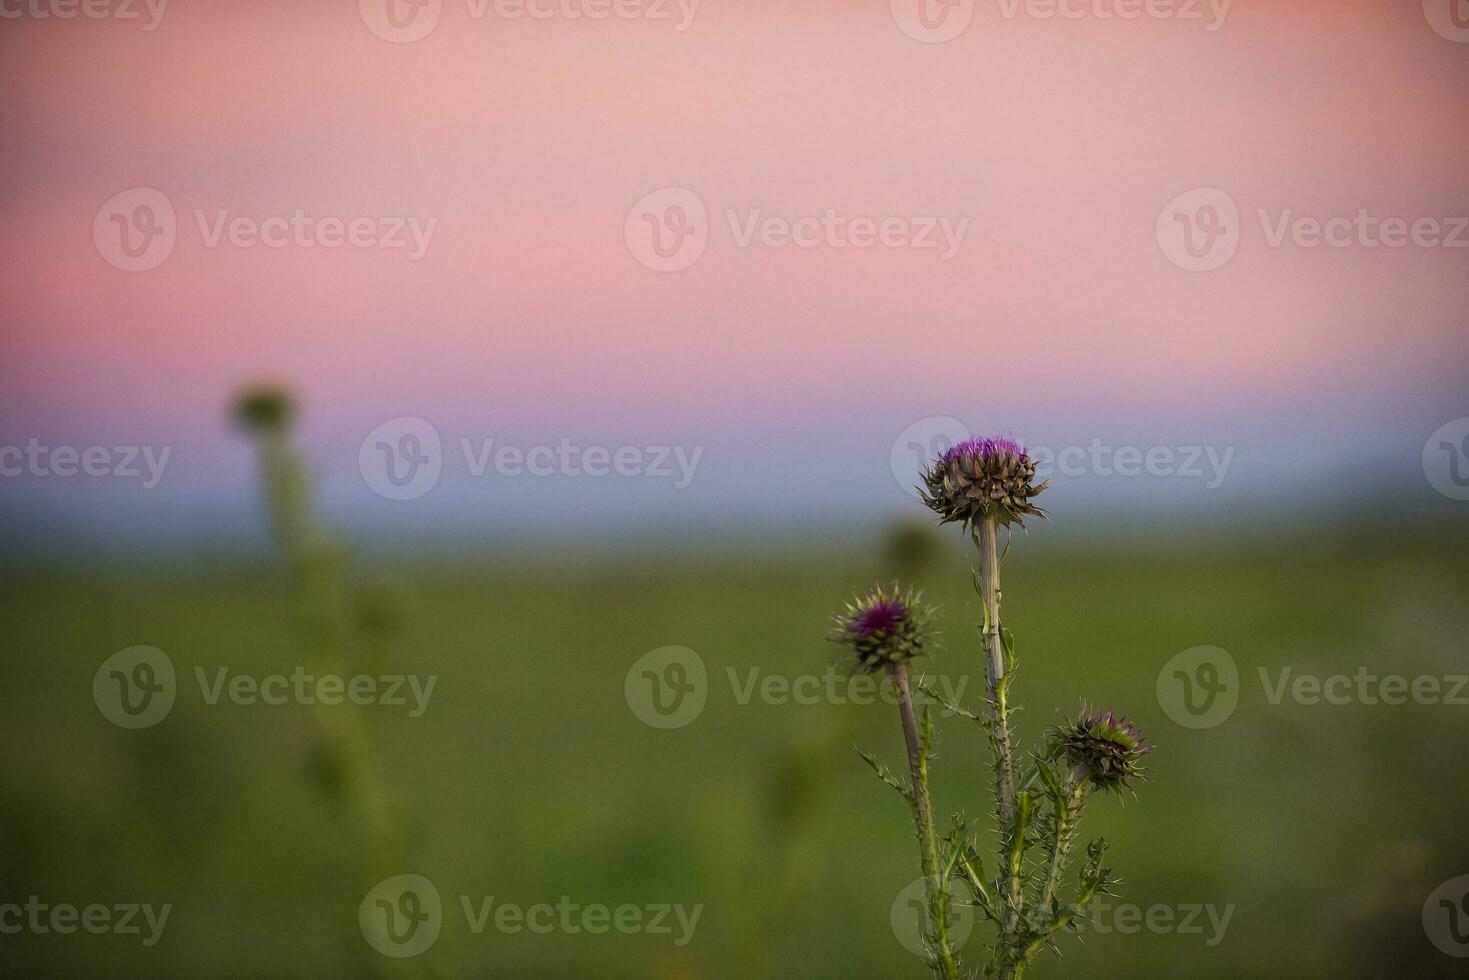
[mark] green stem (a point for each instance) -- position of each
(986, 538)
(1068, 812)
(994, 663)
(938, 893)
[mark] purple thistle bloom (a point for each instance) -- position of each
(885, 614)
(883, 627)
(983, 478)
(1107, 748)
(985, 448)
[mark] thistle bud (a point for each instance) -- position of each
(265, 408)
(981, 478)
(1105, 749)
(884, 627)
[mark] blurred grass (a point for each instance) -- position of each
(529, 778)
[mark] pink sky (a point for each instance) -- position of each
(1059, 140)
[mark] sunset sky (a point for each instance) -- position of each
(530, 317)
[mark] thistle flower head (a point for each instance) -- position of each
(981, 478)
(265, 408)
(1108, 749)
(884, 627)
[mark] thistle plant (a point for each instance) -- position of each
(882, 632)
(334, 617)
(986, 486)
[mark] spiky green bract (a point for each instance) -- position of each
(886, 626)
(265, 408)
(1106, 748)
(982, 478)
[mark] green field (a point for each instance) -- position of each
(1318, 829)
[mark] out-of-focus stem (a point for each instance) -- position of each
(315, 565)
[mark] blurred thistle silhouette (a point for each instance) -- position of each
(984, 485)
(334, 619)
(909, 551)
(265, 408)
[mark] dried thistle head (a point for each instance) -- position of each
(1105, 748)
(980, 478)
(886, 626)
(265, 408)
